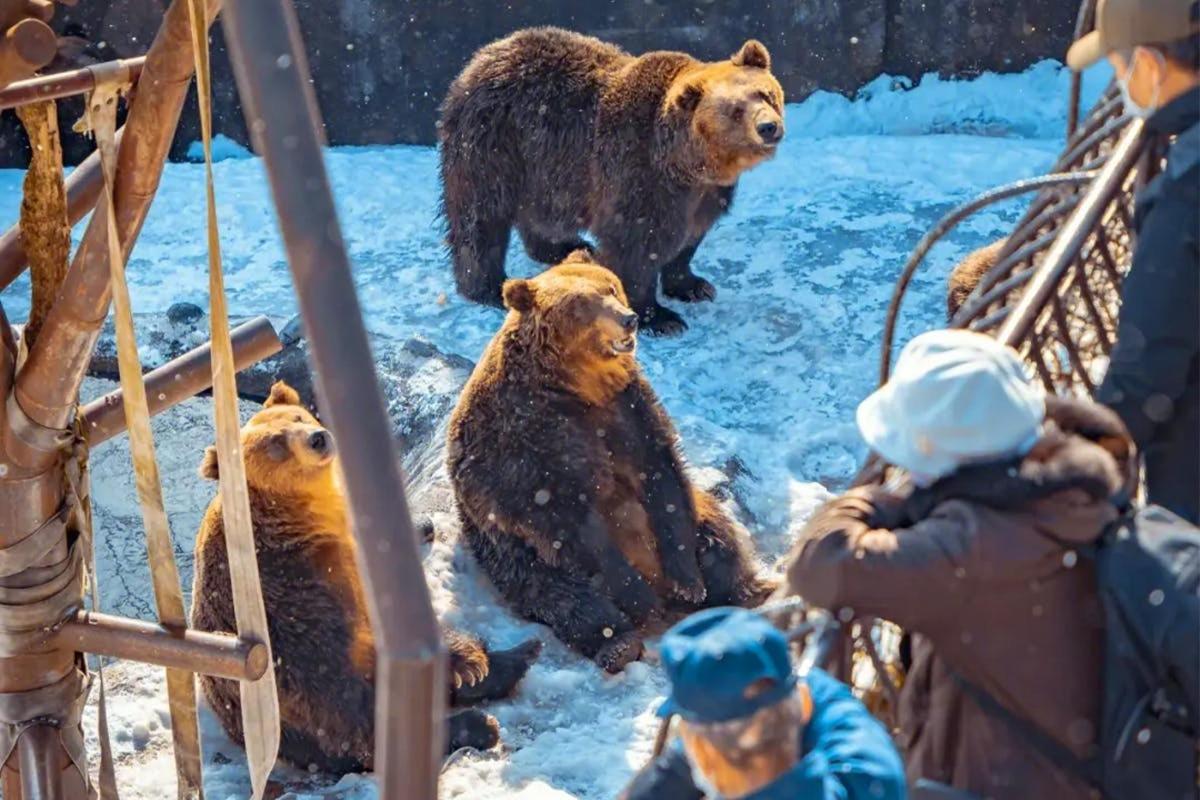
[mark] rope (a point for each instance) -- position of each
(45, 231)
(260, 702)
(168, 594)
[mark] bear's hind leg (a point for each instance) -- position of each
(641, 287)
(726, 558)
(477, 247)
(548, 251)
(569, 605)
(679, 282)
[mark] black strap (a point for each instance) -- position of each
(1087, 771)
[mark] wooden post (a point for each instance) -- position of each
(281, 111)
(39, 400)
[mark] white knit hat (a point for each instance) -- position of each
(955, 397)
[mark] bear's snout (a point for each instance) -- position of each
(770, 131)
(629, 322)
(321, 443)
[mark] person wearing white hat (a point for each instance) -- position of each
(976, 558)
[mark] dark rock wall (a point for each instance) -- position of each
(382, 66)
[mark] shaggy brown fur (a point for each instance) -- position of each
(968, 273)
(572, 492)
(321, 638)
(555, 132)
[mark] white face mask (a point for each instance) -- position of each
(1130, 104)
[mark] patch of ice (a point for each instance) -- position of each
(223, 148)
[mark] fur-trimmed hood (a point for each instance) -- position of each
(1082, 460)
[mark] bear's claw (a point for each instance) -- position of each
(506, 668)
(468, 659)
(618, 652)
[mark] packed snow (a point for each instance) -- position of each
(762, 386)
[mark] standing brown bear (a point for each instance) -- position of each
(556, 132)
(321, 637)
(568, 477)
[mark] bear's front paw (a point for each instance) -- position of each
(638, 600)
(686, 581)
(662, 321)
(619, 651)
(472, 728)
(690, 289)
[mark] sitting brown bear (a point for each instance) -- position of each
(556, 132)
(568, 477)
(316, 612)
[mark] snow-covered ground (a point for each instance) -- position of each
(762, 386)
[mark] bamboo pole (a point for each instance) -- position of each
(281, 111)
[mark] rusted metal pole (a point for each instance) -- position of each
(41, 777)
(281, 112)
(25, 48)
(48, 384)
(220, 654)
(1074, 232)
(180, 378)
(62, 84)
(83, 190)
(944, 225)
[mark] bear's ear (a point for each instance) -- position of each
(519, 295)
(580, 256)
(208, 464)
(689, 97)
(282, 395)
(753, 54)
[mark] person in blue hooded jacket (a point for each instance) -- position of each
(751, 729)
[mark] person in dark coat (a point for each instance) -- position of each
(1153, 380)
(975, 555)
(750, 728)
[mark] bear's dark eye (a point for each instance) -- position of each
(612, 290)
(297, 418)
(738, 113)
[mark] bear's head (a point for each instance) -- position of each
(575, 319)
(284, 447)
(732, 112)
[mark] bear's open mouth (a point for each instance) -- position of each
(622, 346)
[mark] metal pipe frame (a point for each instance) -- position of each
(42, 395)
(61, 84)
(180, 379)
(221, 655)
(1074, 232)
(277, 95)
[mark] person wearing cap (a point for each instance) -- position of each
(974, 554)
(1153, 380)
(751, 728)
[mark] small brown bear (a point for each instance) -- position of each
(556, 132)
(967, 274)
(568, 477)
(317, 619)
